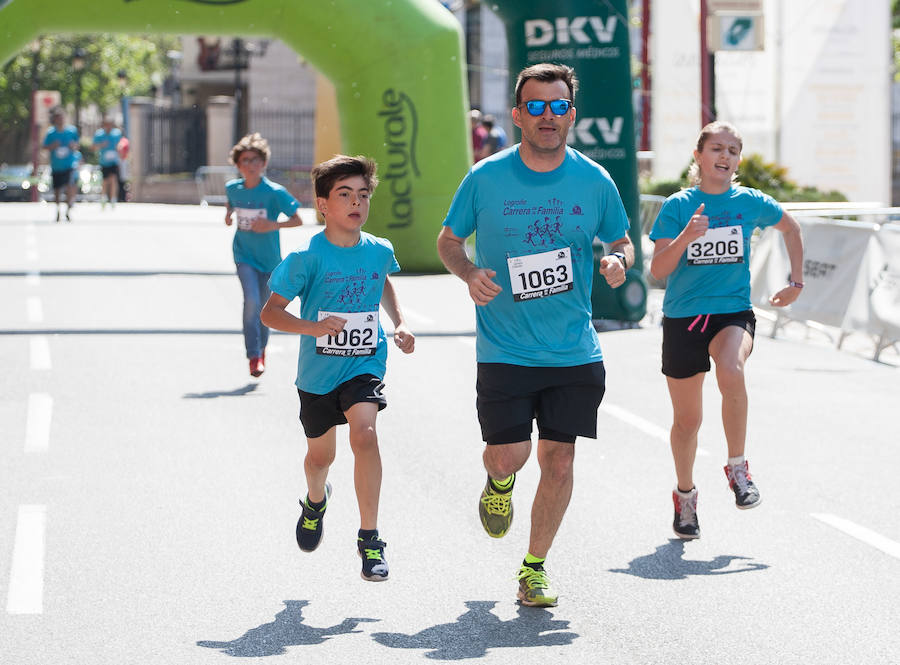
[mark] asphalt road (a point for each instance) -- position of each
(149, 486)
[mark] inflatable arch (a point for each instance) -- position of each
(397, 66)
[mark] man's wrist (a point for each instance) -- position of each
(621, 257)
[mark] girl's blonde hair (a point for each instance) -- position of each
(712, 128)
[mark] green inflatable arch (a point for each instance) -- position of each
(397, 66)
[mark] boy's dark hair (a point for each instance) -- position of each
(325, 175)
(546, 72)
(254, 142)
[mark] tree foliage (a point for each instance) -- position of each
(142, 59)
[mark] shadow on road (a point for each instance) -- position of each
(478, 630)
(237, 392)
(271, 639)
(668, 563)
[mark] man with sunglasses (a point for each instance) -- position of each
(537, 208)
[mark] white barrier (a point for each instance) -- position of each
(851, 275)
(211, 183)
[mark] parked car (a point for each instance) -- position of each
(90, 183)
(15, 182)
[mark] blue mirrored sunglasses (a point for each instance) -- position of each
(557, 106)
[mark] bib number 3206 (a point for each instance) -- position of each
(540, 275)
(721, 245)
(358, 338)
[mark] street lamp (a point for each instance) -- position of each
(78, 66)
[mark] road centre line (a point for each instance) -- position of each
(35, 309)
(40, 353)
(37, 424)
(26, 574)
(33, 278)
(867, 536)
(641, 424)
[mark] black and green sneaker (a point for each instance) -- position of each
(495, 509)
(374, 565)
(309, 526)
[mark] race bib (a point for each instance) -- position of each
(358, 338)
(62, 152)
(722, 245)
(541, 275)
(246, 217)
(110, 155)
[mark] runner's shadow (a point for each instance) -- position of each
(271, 639)
(237, 392)
(668, 563)
(478, 630)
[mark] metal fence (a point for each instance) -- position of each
(176, 140)
(290, 134)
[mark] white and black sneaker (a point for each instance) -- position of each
(686, 525)
(745, 493)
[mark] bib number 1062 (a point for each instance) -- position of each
(358, 338)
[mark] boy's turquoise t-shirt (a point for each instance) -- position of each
(106, 143)
(713, 274)
(62, 157)
(347, 282)
(536, 230)
(267, 200)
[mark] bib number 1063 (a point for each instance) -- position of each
(540, 275)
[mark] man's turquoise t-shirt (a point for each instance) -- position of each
(62, 157)
(106, 143)
(713, 274)
(267, 200)
(536, 230)
(347, 282)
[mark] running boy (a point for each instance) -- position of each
(341, 277)
(256, 201)
(702, 244)
(62, 142)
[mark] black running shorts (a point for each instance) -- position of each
(61, 178)
(319, 413)
(564, 401)
(107, 171)
(685, 346)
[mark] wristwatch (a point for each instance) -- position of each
(621, 257)
(796, 285)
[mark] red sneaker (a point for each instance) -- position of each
(257, 366)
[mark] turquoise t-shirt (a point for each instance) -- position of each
(62, 157)
(536, 230)
(348, 282)
(106, 143)
(267, 199)
(713, 274)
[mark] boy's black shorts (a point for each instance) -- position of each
(61, 178)
(564, 400)
(685, 345)
(319, 413)
(107, 171)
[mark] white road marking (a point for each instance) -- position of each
(35, 309)
(26, 575)
(33, 278)
(31, 255)
(867, 536)
(642, 424)
(40, 353)
(37, 425)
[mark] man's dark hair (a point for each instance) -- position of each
(546, 72)
(325, 175)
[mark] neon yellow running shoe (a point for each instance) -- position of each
(534, 588)
(495, 510)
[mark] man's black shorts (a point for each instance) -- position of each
(110, 170)
(564, 401)
(319, 413)
(685, 346)
(61, 178)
